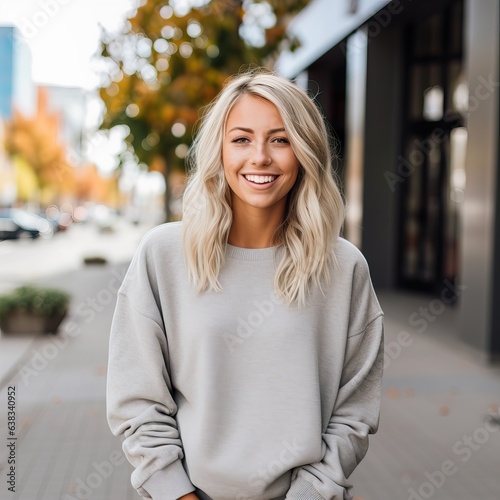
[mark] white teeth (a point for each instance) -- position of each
(261, 179)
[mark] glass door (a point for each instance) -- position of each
(432, 151)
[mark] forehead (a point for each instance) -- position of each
(252, 111)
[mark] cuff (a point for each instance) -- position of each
(170, 483)
(300, 489)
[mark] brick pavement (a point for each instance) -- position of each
(65, 449)
(437, 393)
(437, 399)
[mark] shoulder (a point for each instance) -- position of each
(169, 233)
(161, 241)
(159, 250)
(346, 248)
(352, 276)
(349, 256)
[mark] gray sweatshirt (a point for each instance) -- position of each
(234, 395)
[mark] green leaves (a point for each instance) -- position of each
(47, 301)
(170, 61)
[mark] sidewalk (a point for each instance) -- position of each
(438, 436)
(65, 449)
(435, 438)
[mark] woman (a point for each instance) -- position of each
(246, 347)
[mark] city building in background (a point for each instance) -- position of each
(17, 89)
(8, 188)
(71, 104)
(42, 130)
(411, 91)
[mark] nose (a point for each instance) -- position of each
(260, 155)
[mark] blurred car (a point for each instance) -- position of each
(104, 217)
(16, 223)
(10, 230)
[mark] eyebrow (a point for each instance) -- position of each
(249, 130)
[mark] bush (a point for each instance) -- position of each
(44, 301)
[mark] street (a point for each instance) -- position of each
(23, 261)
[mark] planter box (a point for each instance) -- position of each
(23, 322)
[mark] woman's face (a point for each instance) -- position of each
(259, 163)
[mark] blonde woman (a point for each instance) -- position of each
(246, 347)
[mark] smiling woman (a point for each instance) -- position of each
(261, 169)
(246, 349)
(263, 124)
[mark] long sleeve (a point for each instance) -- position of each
(140, 405)
(357, 406)
(235, 394)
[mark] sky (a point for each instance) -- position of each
(63, 35)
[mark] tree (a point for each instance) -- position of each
(34, 144)
(173, 57)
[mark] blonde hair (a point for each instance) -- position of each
(315, 209)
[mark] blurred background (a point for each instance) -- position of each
(99, 101)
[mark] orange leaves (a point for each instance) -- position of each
(36, 141)
(91, 186)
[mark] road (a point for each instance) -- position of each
(25, 261)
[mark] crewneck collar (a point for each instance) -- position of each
(240, 253)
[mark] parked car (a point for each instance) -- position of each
(16, 223)
(10, 230)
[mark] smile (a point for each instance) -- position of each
(261, 179)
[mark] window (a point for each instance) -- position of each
(434, 140)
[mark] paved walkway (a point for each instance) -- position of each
(65, 449)
(439, 433)
(436, 438)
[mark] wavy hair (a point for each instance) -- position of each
(315, 209)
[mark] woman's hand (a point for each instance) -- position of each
(189, 496)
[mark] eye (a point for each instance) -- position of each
(240, 140)
(281, 140)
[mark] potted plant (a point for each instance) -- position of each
(33, 309)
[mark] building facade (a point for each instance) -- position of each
(411, 90)
(17, 89)
(70, 103)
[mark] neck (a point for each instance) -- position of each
(254, 227)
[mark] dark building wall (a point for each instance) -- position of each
(381, 149)
(375, 148)
(327, 82)
(480, 304)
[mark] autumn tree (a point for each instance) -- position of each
(91, 186)
(173, 57)
(34, 142)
